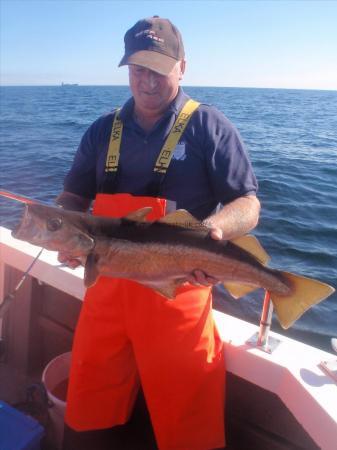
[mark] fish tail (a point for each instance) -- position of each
(303, 293)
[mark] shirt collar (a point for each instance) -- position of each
(174, 107)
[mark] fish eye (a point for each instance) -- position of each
(54, 224)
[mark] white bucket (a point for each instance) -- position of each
(55, 378)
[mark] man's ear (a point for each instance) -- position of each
(182, 68)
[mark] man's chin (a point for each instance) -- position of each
(152, 102)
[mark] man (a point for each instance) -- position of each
(160, 148)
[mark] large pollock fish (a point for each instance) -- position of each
(163, 253)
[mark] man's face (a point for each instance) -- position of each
(154, 92)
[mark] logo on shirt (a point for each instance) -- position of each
(179, 152)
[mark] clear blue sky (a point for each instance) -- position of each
(282, 44)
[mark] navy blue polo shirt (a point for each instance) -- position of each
(210, 165)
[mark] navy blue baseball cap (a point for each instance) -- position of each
(154, 43)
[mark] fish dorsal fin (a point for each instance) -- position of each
(252, 246)
(139, 215)
(181, 218)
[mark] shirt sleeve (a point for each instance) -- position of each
(230, 171)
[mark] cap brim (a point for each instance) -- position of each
(152, 60)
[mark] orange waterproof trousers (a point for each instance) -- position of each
(129, 334)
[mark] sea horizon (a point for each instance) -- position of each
(75, 84)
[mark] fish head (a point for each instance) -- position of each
(54, 229)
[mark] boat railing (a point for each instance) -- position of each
(262, 339)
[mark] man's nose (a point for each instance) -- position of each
(151, 79)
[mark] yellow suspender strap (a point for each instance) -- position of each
(176, 132)
(167, 151)
(112, 158)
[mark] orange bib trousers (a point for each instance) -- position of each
(128, 334)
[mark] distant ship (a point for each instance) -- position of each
(69, 84)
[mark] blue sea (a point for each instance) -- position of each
(291, 136)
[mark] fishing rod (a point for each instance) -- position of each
(19, 198)
(6, 301)
(4, 306)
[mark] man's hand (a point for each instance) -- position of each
(72, 202)
(233, 220)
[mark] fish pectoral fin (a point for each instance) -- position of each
(166, 288)
(90, 270)
(304, 293)
(251, 244)
(139, 215)
(181, 218)
(239, 290)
